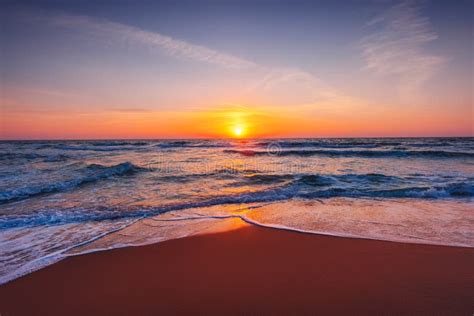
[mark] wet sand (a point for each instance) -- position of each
(252, 270)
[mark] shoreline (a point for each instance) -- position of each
(69, 253)
(251, 270)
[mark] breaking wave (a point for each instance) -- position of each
(303, 187)
(91, 173)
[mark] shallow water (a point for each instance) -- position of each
(57, 195)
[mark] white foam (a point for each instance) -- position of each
(410, 221)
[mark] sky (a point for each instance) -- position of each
(199, 69)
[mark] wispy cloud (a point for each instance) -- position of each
(173, 47)
(268, 79)
(397, 47)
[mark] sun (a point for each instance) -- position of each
(238, 131)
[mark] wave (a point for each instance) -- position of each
(184, 178)
(13, 155)
(450, 190)
(32, 156)
(324, 180)
(253, 177)
(193, 144)
(357, 153)
(91, 173)
(93, 147)
(326, 144)
(366, 142)
(124, 146)
(298, 188)
(359, 143)
(256, 179)
(119, 143)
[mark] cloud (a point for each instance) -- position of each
(273, 81)
(300, 90)
(169, 45)
(397, 46)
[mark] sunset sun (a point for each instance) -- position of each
(238, 131)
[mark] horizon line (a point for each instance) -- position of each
(224, 138)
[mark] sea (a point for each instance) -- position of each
(65, 198)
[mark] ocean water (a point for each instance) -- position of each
(61, 198)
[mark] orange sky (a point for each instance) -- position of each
(222, 122)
